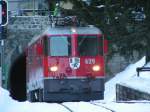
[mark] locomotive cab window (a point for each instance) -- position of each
(60, 46)
(88, 45)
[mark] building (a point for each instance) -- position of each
(17, 7)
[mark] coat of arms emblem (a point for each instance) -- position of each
(74, 62)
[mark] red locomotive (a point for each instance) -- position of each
(66, 64)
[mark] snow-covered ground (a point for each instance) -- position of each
(127, 77)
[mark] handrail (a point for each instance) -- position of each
(23, 12)
(142, 69)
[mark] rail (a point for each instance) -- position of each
(66, 107)
(142, 69)
(92, 103)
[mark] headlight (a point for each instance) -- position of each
(96, 68)
(73, 30)
(53, 68)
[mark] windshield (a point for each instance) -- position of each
(88, 45)
(60, 46)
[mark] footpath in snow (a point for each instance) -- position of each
(128, 76)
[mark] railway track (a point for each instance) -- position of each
(99, 108)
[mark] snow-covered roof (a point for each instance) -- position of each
(69, 30)
(129, 72)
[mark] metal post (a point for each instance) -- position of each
(1, 48)
(2, 63)
(1, 74)
(34, 7)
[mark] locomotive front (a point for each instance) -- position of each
(73, 64)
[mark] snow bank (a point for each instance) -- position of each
(129, 107)
(130, 71)
(7, 104)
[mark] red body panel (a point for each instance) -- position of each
(86, 67)
(62, 64)
(64, 69)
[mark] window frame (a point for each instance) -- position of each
(98, 44)
(48, 45)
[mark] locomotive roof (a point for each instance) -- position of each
(68, 30)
